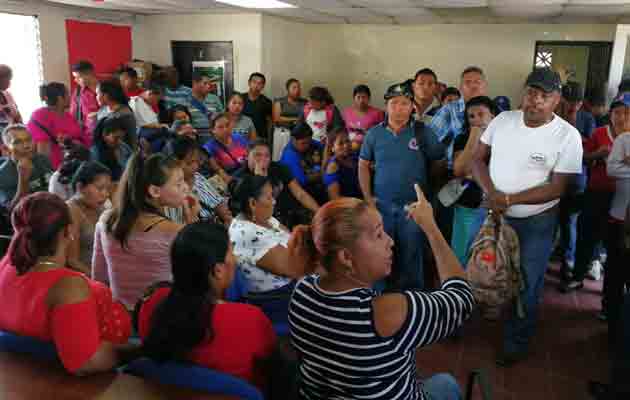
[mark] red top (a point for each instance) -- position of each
(241, 335)
(134, 93)
(599, 179)
(76, 329)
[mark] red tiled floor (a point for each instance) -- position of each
(568, 349)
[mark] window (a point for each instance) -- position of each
(543, 59)
(23, 54)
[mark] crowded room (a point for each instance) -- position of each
(313, 200)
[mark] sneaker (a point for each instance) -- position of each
(595, 271)
(571, 286)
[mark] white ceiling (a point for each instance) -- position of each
(396, 11)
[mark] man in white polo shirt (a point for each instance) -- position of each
(533, 154)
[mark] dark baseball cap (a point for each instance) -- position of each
(399, 89)
(545, 79)
(572, 91)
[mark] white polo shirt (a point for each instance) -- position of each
(523, 158)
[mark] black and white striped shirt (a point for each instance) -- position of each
(343, 357)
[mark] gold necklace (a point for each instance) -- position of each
(51, 263)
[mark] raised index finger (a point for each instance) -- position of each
(419, 193)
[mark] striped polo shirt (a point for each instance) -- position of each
(343, 357)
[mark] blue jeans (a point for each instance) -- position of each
(465, 228)
(535, 235)
(441, 387)
(570, 209)
(409, 242)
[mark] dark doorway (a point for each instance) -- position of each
(585, 62)
(185, 53)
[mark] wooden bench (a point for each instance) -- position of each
(25, 378)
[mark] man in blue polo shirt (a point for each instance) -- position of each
(400, 160)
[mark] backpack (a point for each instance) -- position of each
(494, 269)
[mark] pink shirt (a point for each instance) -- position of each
(358, 125)
(88, 105)
(60, 127)
(129, 271)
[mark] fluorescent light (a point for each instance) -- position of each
(257, 3)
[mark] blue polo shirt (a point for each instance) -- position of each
(301, 164)
(399, 161)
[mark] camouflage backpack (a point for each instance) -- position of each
(494, 268)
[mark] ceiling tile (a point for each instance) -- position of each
(452, 3)
(403, 12)
(350, 12)
(307, 15)
(382, 4)
(525, 11)
(318, 4)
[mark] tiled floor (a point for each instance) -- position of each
(568, 349)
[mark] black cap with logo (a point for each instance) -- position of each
(545, 79)
(399, 89)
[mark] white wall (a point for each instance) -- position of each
(342, 56)
(153, 35)
(618, 59)
(285, 54)
(53, 32)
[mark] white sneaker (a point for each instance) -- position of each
(595, 271)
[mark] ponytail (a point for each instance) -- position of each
(133, 192)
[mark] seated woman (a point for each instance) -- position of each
(91, 185)
(179, 129)
(42, 298)
(115, 104)
(293, 205)
(213, 206)
(61, 180)
(321, 113)
(352, 342)
(286, 111)
(239, 122)
(227, 150)
(190, 318)
(468, 217)
(52, 126)
(262, 247)
(341, 175)
(109, 149)
(132, 241)
(304, 157)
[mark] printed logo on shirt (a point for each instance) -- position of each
(413, 144)
(537, 159)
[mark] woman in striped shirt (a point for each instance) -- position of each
(356, 344)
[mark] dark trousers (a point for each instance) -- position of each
(591, 229)
(616, 278)
(620, 366)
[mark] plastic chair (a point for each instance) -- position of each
(26, 345)
(193, 377)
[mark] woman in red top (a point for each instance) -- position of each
(190, 320)
(43, 299)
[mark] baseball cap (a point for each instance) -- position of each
(545, 79)
(399, 89)
(572, 91)
(621, 101)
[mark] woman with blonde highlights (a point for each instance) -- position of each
(353, 342)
